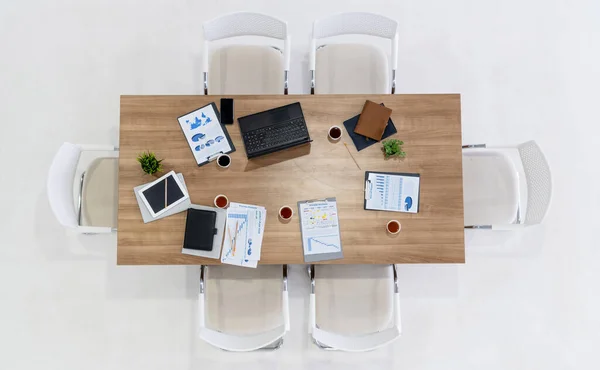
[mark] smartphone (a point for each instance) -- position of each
(226, 111)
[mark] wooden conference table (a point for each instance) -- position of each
(429, 125)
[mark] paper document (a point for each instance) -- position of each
(205, 135)
(244, 232)
(320, 230)
(392, 192)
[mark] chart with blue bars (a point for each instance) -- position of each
(390, 191)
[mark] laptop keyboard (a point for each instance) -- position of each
(273, 137)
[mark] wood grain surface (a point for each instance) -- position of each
(429, 125)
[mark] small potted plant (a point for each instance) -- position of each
(393, 148)
(150, 164)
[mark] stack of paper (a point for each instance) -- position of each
(243, 235)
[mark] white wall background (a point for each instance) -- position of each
(525, 69)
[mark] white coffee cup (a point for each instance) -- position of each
(221, 201)
(333, 131)
(224, 160)
(286, 211)
(393, 227)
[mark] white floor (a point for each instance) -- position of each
(525, 300)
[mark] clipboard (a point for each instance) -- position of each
(206, 136)
(327, 240)
(400, 200)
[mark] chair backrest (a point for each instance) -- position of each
(60, 184)
(359, 23)
(245, 24)
(539, 181)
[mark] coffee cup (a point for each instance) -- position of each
(393, 227)
(335, 133)
(221, 201)
(224, 160)
(286, 213)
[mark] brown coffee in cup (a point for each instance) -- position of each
(221, 201)
(393, 227)
(286, 213)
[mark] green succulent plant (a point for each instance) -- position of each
(150, 164)
(393, 147)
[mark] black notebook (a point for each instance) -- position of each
(200, 229)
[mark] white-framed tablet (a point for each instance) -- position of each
(163, 194)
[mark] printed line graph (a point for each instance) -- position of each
(323, 241)
(239, 232)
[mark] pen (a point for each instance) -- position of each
(230, 238)
(166, 183)
(351, 156)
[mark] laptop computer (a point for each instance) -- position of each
(274, 130)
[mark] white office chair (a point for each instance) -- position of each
(352, 68)
(98, 189)
(246, 69)
(494, 182)
(358, 306)
(247, 309)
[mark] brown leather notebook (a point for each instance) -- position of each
(373, 120)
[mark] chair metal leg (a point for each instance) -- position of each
(310, 269)
(395, 279)
(474, 146)
(202, 268)
(79, 201)
(273, 346)
(311, 275)
(269, 347)
(285, 278)
(322, 346)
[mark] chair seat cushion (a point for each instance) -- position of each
(246, 69)
(351, 69)
(491, 188)
(354, 299)
(243, 300)
(100, 193)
